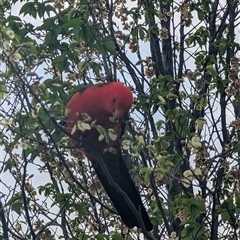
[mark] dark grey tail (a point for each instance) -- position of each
(126, 184)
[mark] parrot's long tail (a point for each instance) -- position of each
(120, 175)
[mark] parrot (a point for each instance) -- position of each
(107, 105)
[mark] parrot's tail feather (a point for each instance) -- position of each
(123, 179)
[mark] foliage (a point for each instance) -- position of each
(182, 141)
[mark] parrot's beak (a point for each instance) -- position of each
(118, 114)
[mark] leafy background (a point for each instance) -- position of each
(181, 60)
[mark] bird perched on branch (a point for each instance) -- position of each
(95, 118)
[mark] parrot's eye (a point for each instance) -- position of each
(114, 100)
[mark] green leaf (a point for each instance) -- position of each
(211, 71)
(147, 173)
(3, 91)
(86, 34)
(100, 237)
(71, 13)
(117, 237)
(199, 58)
(63, 199)
(203, 102)
(126, 144)
(83, 126)
(147, 17)
(73, 23)
(29, 8)
(225, 216)
(40, 9)
(159, 218)
(14, 198)
(77, 32)
(236, 146)
(101, 137)
(81, 208)
(16, 207)
(201, 14)
(49, 8)
(82, 65)
(14, 18)
(112, 150)
(109, 46)
(86, 117)
(112, 134)
(9, 165)
(198, 204)
(46, 189)
(59, 59)
(135, 32)
(96, 68)
(57, 29)
(26, 8)
(47, 25)
(206, 5)
(238, 201)
(140, 61)
(101, 130)
(141, 32)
